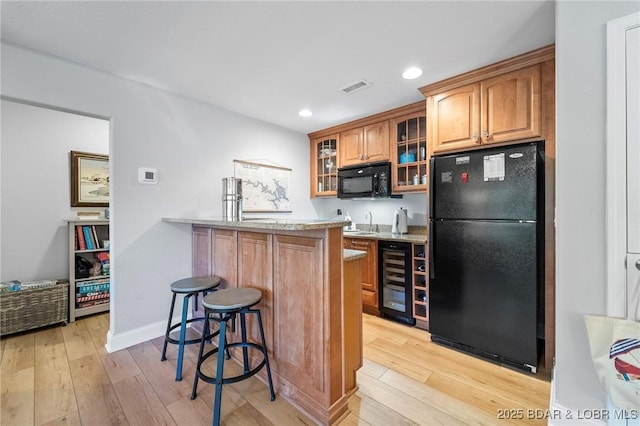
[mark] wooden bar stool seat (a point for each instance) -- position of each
(190, 288)
(228, 303)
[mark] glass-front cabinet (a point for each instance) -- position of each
(409, 153)
(324, 166)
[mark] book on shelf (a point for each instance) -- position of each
(92, 288)
(88, 238)
(80, 234)
(90, 303)
(91, 297)
(94, 233)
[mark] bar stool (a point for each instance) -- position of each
(227, 303)
(189, 287)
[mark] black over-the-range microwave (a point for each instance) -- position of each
(372, 180)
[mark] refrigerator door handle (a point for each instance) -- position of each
(432, 272)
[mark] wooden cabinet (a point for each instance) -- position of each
(364, 144)
(502, 108)
(408, 148)
(306, 307)
(420, 285)
(324, 166)
(89, 268)
(369, 272)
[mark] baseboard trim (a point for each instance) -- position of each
(559, 415)
(116, 342)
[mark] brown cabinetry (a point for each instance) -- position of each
(502, 108)
(324, 166)
(420, 285)
(364, 144)
(307, 308)
(369, 272)
(408, 148)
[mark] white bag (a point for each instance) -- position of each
(615, 350)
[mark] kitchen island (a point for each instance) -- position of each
(311, 315)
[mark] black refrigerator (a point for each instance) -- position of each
(486, 252)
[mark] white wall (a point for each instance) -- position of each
(190, 143)
(580, 214)
(35, 192)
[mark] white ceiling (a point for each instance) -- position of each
(270, 59)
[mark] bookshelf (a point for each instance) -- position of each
(89, 267)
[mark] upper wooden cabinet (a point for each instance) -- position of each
(408, 148)
(364, 144)
(496, 104)
(324, 166)
(500, 109)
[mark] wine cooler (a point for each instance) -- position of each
(394, 263)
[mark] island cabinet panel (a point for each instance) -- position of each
(255, 270)
(224, 257)
(299, 305)
(201, 246)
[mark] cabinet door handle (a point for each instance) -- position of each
(475, 137)
(638, 264)
(485, 136)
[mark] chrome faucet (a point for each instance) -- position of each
(370, 216)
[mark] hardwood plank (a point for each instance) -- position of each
(161, 375)
(140, 403)
(53, 386)
(372, 368)
(410, 407)
(246, 415)
(190, 412)
(372, 412)
(353, 420)
(17, 400)
(278, 411)
(18, 353)
(71, 419)
(119, 365)
(97, 401)
(462, 411)
(77, 340)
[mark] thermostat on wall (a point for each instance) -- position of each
(147, 175)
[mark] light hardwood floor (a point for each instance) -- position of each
(64, 376)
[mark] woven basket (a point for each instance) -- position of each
(27, 309)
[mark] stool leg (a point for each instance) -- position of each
(217, 402)
(183, 330)
(199, 362)
(266, 356)
(245, 350)
(166, 335)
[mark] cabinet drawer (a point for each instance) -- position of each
(369, 298)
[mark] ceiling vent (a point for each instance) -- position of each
(358, 85)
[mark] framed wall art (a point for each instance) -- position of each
(89, 179)
(265, 188)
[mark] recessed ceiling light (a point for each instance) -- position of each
(305, 113)
(411, 73)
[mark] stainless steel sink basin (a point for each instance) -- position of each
(359, 233)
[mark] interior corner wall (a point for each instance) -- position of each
(36, 186)
(192, 144)
(580, 192)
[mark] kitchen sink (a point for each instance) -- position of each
(359, 233)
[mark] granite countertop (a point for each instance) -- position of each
(410, 238)
(263, 223)
(350, 254)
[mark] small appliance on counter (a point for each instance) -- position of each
(399, 225)
(232, 199)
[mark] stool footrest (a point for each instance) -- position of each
(234, 379)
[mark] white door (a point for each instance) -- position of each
(623, 167)
(633, 170)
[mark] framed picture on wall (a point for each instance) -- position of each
(89, 179)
